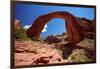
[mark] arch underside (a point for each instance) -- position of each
(75, 32)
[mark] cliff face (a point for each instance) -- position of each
(86, 24)
(88, 27)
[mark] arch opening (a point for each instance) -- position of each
(54, 27)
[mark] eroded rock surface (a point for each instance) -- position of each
(28, 54)
(37, 53)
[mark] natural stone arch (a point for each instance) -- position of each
(75, 33)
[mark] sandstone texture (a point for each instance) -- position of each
(74, 31)
(37, 53)
(33, 53)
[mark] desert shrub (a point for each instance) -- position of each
(20, 34)
(79, 56)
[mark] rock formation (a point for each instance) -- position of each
(86, 24)
(17, 24)
(35, 53)
(69, 47)
(88, 27)
(74, 31)
(52, 39)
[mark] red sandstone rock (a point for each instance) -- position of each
(43, 60)
(75, 33)
(58, 39)
(88, 26)
(52, 39)
(17, 24)
(45, 54)
(24, 46)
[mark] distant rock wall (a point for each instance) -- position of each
(52, 39)
(88, 27)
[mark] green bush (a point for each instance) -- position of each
(20, 34)
(78, 55)
(80, 58)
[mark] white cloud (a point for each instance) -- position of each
(27, 27)
(45, 28)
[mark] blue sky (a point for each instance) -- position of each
(27, 13)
